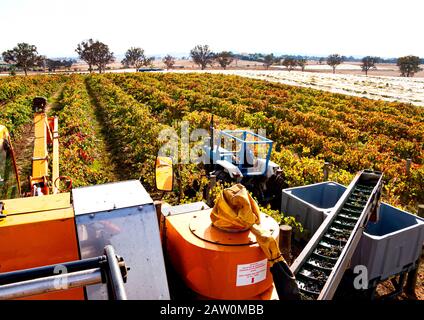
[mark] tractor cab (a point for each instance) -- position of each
(241, 153)
(243, 156)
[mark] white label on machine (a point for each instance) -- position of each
(251, 273)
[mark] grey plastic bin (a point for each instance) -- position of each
(391, 245)
(311, 204)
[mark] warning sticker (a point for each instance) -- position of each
(251, 273)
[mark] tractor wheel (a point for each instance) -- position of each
(275, 185)
(223, 176)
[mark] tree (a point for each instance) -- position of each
(169, 61)
(12, 70)
(301, 63)
(408, 65)
(86, 52)
(321, 60)
(103, 56)
(95, 53)
(202, 55)
(290, 63)
(224, 58)
(67, 63)
(368, 63)
(53, 64)
(23, 56)
(40, 62)
(135, 57)
(268, 60)
(149, 61)
(334, 60)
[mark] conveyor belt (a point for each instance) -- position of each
(320, 266)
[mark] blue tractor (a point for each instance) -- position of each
(241, 156)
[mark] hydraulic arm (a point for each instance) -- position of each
(46, 133)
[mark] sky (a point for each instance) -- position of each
(384, 28)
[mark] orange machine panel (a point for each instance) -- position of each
(217, 264)
(39, 231)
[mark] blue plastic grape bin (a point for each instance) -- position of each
(311, 204)
(387, 247)
(391, 245)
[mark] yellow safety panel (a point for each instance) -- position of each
(164, 173)
(44, 216)
(36, 204)
(40, 162)
(39, 231)
(3, 132)
(10, 184)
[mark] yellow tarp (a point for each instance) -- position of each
(235, 210)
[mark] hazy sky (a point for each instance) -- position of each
(385, 28)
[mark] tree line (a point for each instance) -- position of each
(203, 56)
(98, 55)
